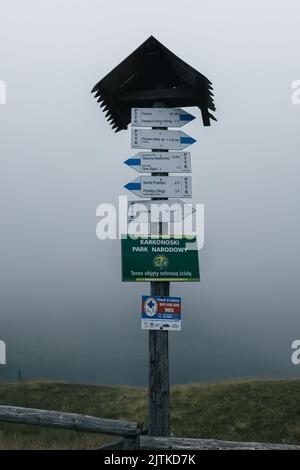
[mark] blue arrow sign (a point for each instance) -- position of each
(159, 117)
(187, 140)
(161, 186)
(133, 186)
(186, 117)
(161, 162)
(133, 161)
(160, 139)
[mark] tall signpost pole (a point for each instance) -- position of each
(159, 381)
(148, 89)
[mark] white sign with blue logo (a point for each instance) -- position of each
(160, 139)
(159, 117)
(161, 186)
(161, 162)
(161, 313)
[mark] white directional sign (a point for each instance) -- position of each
(159, 117)
(2, 352)
(160, 139)
(160, 210)
(161, 186)
(161, 162)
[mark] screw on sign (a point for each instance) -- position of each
(149, 88)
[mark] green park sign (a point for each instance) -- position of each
(163, 258)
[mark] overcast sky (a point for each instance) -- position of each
(64, 313)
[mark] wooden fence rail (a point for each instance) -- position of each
(75, 422)
(133, 439)
(175, 443)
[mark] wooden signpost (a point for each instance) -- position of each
(148, 89)
(159, 374)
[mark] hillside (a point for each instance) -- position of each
(266, 411)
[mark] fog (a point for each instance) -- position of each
(64, 312)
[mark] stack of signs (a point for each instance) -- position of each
(161, 313)
(161, 160)
(166, 257)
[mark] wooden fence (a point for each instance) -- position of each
(133, 438)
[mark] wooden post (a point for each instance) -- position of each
(159, 382)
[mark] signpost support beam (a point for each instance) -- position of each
(159, 381)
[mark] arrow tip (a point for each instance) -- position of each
(133, 161)
(187, 117)
(187, 140)
(133, 186)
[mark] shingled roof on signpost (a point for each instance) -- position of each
(152, 73)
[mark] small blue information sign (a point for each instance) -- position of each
(161, 313)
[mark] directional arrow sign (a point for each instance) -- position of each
(159, 139)
(159, 117)
(161, 162)
(161, 186)
(160, 210)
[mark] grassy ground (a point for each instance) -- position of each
(266, 411)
